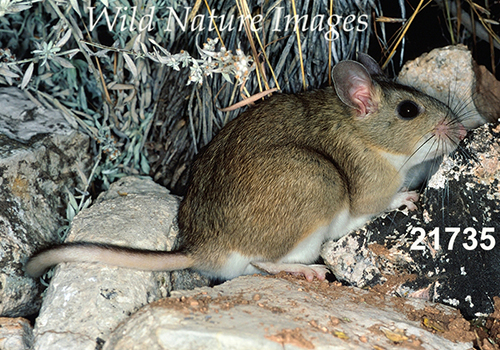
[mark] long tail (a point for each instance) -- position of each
(149, 260)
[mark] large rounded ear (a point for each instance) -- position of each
(355, 87)
(370, 64)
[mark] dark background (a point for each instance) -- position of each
(429, 31)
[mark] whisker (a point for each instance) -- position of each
(447, 197)
(418, 149)
(461, 102)
(470, 156)
(392, 217)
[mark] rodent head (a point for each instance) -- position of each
(394, 118)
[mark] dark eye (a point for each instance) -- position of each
(408, 109)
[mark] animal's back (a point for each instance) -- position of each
(262, 185)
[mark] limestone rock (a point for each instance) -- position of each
(84, 302)
(257, 312)
(451, 75)
(448, 250)
(15, 334)
(40, 156)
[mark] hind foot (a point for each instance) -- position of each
(308, 271)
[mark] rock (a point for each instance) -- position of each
(257, 312)
(451, 75)
(447, 251)
(15, 334)
(84, 302)
(40, 156)
(487, 94)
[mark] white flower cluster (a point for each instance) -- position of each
(224, 62)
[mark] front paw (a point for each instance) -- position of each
(407, 198)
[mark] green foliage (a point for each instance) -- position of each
(67, 55)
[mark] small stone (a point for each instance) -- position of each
(15, 334)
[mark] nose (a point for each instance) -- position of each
(445, 129)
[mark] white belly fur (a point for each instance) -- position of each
(306, 251)
(237, 265)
